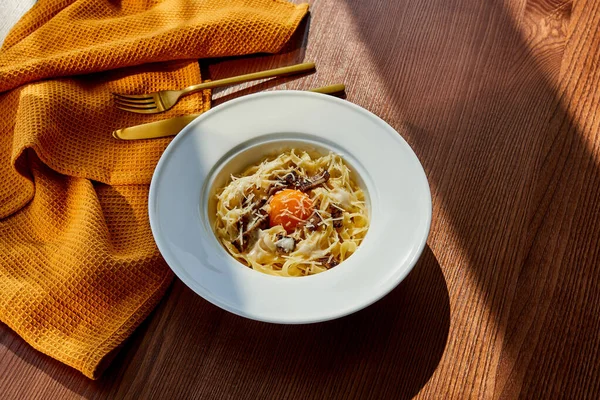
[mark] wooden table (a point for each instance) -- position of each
(500, 101)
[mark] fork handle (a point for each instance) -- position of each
(284, 71)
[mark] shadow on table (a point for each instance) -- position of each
(399, 339)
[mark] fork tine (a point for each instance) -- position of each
(152, 110)
(133, 102)
(136, 106)
(132, 96)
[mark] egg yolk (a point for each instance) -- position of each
(289, 208)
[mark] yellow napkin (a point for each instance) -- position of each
(79, 269)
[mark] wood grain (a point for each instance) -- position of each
(500, 102)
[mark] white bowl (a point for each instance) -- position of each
(236, 134)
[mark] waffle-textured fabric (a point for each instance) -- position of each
(79, 269)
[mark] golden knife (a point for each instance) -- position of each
(172, 126)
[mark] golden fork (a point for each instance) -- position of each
(172, 126)
(157, 102)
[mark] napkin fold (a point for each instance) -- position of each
(79, 269)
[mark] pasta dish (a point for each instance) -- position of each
(292, 215)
